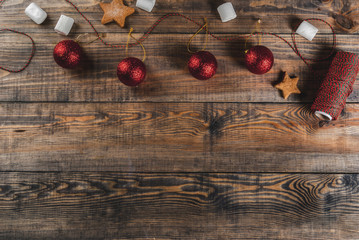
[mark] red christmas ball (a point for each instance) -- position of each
(202, 65)
(68, 54)
(259, 59)
(131, 71)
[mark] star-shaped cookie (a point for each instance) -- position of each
(116, 11)
(288, 85)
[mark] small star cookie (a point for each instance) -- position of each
(116, 11)
(288, 85)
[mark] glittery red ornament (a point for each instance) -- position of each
(68, 54)
(131, 71)
(202, 65)
(259, 59)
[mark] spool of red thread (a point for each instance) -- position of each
(337, 86)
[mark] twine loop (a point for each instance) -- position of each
(30, 57)
(204, 27)
(128, 41)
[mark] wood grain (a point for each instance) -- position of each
(177, 137)
(84, 157)
(342, 14)
(168, 78)
(178, 206)
(276, 15)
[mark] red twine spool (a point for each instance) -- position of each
(337, 86)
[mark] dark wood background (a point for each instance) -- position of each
(84, 157)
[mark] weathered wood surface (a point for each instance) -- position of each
(168, 78)
(182, 137)
(178, 206)
(84, 157)
(277, 15)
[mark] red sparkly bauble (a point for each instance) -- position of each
(131, 71)
(259, 59)
(68, 54)
(202, 65)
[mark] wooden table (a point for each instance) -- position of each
(84, 157)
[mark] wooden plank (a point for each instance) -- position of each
(178, 206)
(276, 15)
(45, 147)
(161, 137)
(168, 78)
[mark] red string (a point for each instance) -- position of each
(31, 55)
(150, 30)
(32, 50)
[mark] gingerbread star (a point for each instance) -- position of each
(288, 85)
(116, 11)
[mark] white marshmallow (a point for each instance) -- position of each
(226, 12)
(307, 30)
(36, 13)
(64, 25)
(146, 5)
